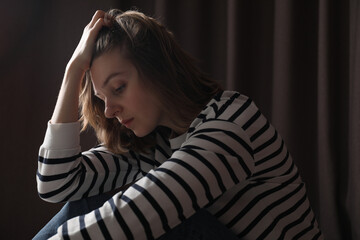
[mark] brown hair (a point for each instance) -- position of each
(165, 68)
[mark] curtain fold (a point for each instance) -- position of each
(231, 49)
(325, 157)
(353, 187)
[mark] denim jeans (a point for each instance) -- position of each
(201, 225)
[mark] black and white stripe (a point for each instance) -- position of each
(232, 162)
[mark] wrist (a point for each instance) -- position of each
(73, 73)
(74, 66)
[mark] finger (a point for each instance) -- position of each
(96, 27)
(98, 14)
(107, 20)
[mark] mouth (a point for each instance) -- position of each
(127, 122)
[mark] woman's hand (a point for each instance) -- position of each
(82, 55)
(66, 109)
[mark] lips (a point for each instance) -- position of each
(127, 122)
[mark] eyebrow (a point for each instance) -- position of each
(111, 76)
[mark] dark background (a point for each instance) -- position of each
(298, 60)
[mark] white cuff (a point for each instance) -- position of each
(62, 136)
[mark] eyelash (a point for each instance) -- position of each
(120, 89)
(117, 91)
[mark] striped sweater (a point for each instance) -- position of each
(231, 162)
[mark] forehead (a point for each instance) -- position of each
(110, 63)
(109, 59)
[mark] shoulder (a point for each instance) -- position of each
(220, 123)
(227, 106)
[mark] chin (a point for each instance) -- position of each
(140, 133)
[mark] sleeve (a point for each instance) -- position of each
(214, 158)
(65, 173)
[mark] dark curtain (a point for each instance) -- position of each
(298, 60)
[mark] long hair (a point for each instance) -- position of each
(165, 69)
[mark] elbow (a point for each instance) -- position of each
(49, 191)
(47, 195)
(49, 199)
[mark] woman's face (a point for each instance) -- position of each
(117, 82)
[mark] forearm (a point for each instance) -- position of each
(66, 108)
(65, 173)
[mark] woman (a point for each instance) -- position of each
(185, 152)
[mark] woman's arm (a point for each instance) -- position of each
(66, 109)
(194, 176)
(65, 173)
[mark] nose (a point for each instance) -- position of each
(111, 109)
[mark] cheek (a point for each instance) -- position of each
(142, 107)
(140, 100)
(134, 107)
(143, 103)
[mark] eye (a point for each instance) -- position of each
(120, 89)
